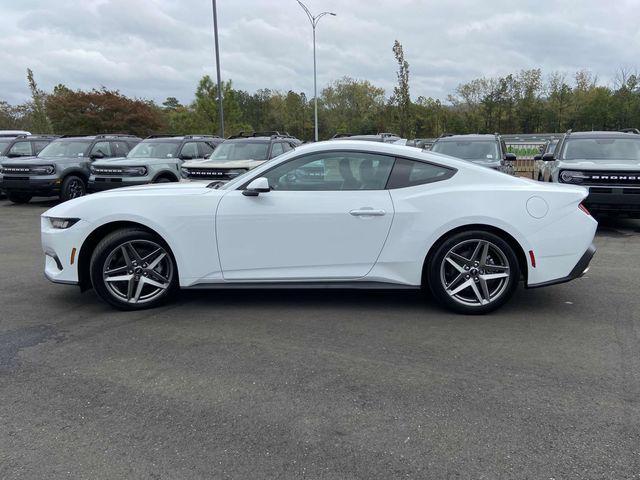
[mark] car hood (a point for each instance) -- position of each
(20, 160)
(130, 162)
(44, 160)
(224, 164)
(605, 164)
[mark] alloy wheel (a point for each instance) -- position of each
(138, 271)
(75, 188)
(475, 272)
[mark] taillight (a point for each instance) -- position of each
(584, 209)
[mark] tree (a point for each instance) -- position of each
(39, 121)
(401, 98)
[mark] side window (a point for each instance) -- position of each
(277, 149)
(408, 173)
(189, 150)
(332, 171)
(39, 146)
(205, 149)
(101, 149)
(20, 149)
(120, 149)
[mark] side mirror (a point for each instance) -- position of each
(256, 187)
(510, 157)
(96, 155)
(537, 157)
(548, 157)
(185, 157)
(207, 156)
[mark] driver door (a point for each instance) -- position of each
(326, 217)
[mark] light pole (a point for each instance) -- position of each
(215, 36)
(314, 21)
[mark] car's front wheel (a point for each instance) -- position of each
(132, 269)
(72, 187)
(473, 272)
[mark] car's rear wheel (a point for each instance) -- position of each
(17, 197)
(473, 272)
(72, 187)
(133, 269)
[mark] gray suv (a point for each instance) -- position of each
(156, 159)
(608, 163)
(62, 168)
(487, 150)
(239, 154)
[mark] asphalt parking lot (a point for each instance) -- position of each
(321, 384)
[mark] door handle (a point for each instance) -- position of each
(367, 212)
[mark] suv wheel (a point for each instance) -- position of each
(133, 269)
(473, 272)
(16, 197)
(163, 180)
(72, 187)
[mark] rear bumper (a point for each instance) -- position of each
(34, 186)
(578, 271)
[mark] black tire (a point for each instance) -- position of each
(106, 257)
(19, 198)
(73, 186)
(482, 294)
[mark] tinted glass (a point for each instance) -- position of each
(38, 146)
(22, 149)
(408, 173)
(205, 148)
(241, 151)
(155, 149)
(65, 148)
(120, 149)
(4, 143)
(101, 148)
(189, 150)
(277, 149)
(601, 149)
(332, 171)
(480, 150)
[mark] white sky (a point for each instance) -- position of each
(160, 48)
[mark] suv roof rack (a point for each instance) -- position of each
(446, 134)
(388, 134)
(163, 135)
(37, 135)
(631, 130)
(342, 135)
(198, 135)
(116, 135)
(272, 134)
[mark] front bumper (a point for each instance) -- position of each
(578, 271)
(99, 184)
(614, 200)
(37, 186)
(61, 262)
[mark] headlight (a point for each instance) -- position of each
(63, 223)
(569, 176)
(42, 169)
(134, 171)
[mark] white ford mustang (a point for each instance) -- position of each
(343, 214)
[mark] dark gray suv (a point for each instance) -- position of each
(62, 168)
(487, 150)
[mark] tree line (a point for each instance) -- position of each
(523, 102)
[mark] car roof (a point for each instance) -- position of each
(603, 134)
(173, 138)
(473, 137)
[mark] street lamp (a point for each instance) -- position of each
(215, 36)
(314, 21)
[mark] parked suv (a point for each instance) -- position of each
(62, 167)
(239, 154)
(486, 150)
(156, 159)
(608, 163)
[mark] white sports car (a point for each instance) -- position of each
(344, 214)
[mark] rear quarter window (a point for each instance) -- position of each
(409, 173)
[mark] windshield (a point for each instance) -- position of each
(154, 150)
(3, 146)
(65, 148)
(486, 151)
(240, 151)
(601, 149)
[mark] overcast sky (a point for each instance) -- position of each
(160, 48)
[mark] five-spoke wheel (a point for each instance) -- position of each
(473, 272)
(132, 269)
